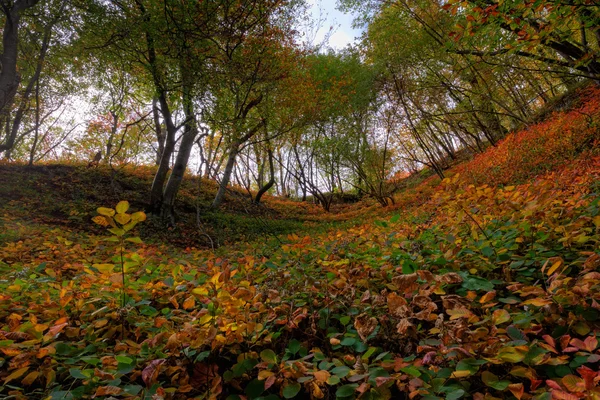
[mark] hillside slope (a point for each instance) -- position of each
(485, 285)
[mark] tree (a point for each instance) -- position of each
(9, 76)
(253, 57)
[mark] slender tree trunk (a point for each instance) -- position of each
(160, 135)
(271, 181)
(37, 123)
(113, 133)
(185, 147)
(233, 151)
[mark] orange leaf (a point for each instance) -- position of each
(322, 376)
(190, 302)
(517, 390)
(108, 391)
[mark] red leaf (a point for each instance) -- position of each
(150, 373)
(559, 394)
(588, 376)
(553, 384)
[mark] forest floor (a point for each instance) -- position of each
(484, 285)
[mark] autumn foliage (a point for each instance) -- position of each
(487, 291)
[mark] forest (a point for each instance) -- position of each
(199, 200)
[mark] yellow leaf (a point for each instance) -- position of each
(16, 374)
(513, 354)
(138, 216)
(104, 268)
(264, 374)
(554, 267)
(123, 218)
(500, 317)
(200, 291)
(459, 313)
(30, 378)
(122, 207)
(109, 212)
(460, 374)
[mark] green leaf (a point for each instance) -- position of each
(136, 240)
(395, 218)
(294, 346)
(348, 341)
(77, 374)
(255, 388)
(346, 390)
(333, 380)
(124, 359)
(291, 390)
(487, 251)
(455, 394)
(117, 231)
(411, 370)
(269, 356)
(202, 356)
(409, 267)
(341, 371)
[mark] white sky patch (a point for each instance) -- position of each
(334, 23)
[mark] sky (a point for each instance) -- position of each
(338, 23)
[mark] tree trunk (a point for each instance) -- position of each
(271, 181)
(233, 151)
(9, 77)
(160, 135)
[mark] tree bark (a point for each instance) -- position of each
(9, 76)
(233, 151)
(271, 181)
(185, 148)
(160, 135)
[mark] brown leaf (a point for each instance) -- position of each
(365, 325)
(150, 373)
(453, 301)
(365, 297)
(406, 283)
(405, 327)
(450, 278)
(398, 306)
(103, 375)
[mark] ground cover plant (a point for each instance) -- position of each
(460, 290)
